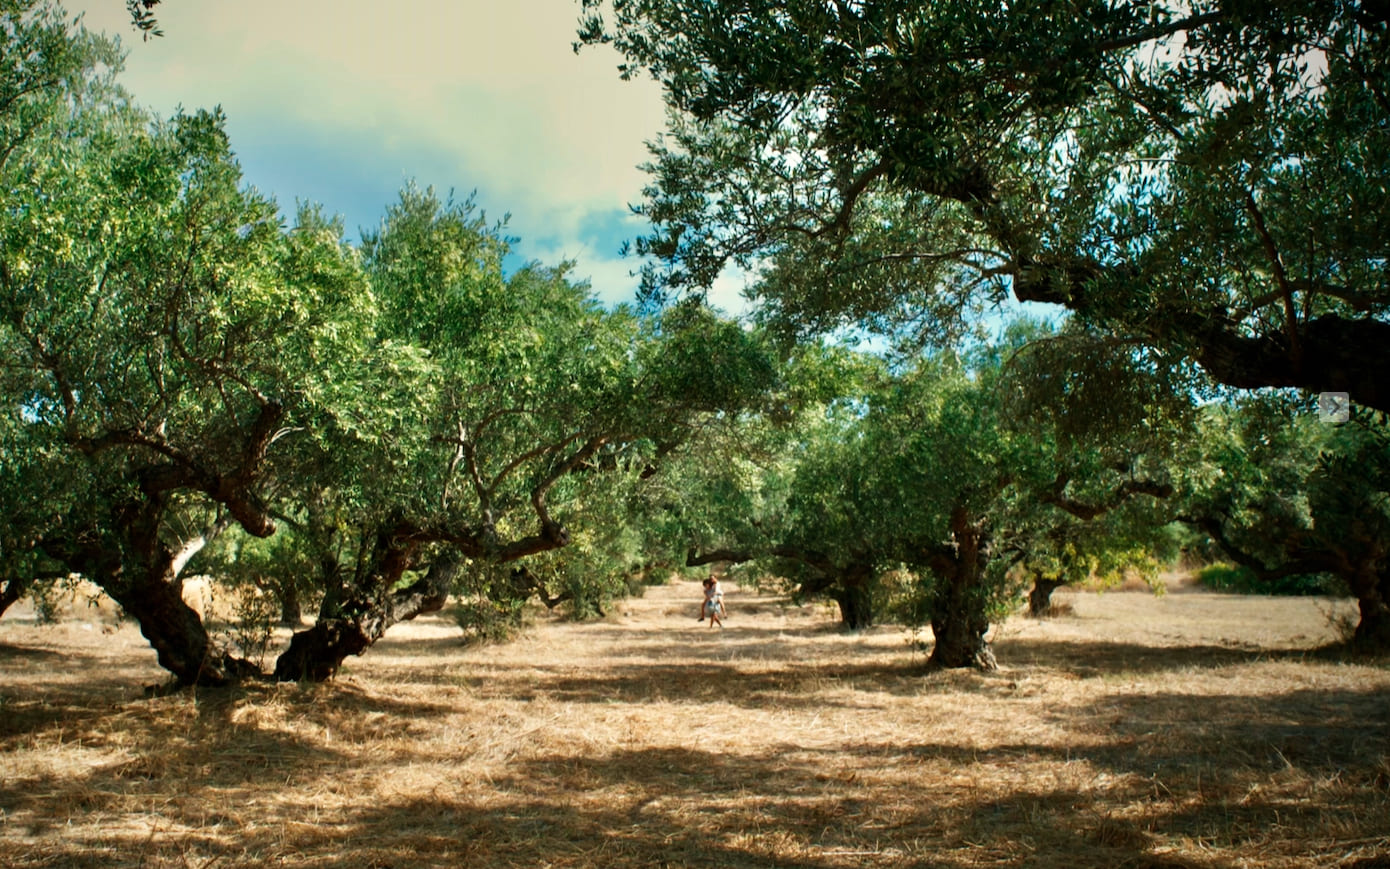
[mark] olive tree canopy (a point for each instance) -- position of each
(1206, 176)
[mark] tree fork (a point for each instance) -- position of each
(147, 588)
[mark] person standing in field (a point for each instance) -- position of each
(713, 608)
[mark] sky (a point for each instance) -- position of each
(341, 102)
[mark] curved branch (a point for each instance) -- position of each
(1122, 493)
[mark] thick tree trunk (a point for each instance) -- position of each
(854, 593)
(291, 610)
(12, 591)
(316, 654)
(958, 619)
(856, 608)
(350, 624)
(175, 631)
(1373, 598)
(1040, 598)
(140, 572)
(960, 641)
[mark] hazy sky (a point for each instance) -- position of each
(336, 102)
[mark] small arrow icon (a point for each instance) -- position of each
(1333, 407)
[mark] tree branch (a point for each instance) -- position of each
(1122, 493)
(1281, 277)
(1152, 33)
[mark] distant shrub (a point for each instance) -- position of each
(48, 604)
(486, 621)
(1234, 579)
(1343, 625)
(252, 623)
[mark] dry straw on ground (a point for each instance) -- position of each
(1191, 730)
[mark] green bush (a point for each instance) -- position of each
(486, 621)
(1242, 580)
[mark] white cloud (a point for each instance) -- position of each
(726, 293)
(485, 94)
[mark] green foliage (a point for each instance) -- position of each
(489, 606)
(1205, 177)
(142, 17)
(47, 601)
(488, 621)
(252, 625)
(165, 337)
(1303, 506)
(1227, 577)
(182, 367)
(1242, 580)
(917, 489)
(267, 577)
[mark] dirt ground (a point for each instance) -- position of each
(1188, 730)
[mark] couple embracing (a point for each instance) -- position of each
(713, 607)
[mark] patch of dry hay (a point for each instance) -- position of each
(1187, 730)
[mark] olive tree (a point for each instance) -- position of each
(1286, 495)
(1206, 177)
(1048, 452)
(163, 334)
(526, 389)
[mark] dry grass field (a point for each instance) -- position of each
(1190, 730)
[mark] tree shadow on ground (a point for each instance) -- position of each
(640, 808)
(1100, 658)
(10, 652)
(698, 684)
(320, 775)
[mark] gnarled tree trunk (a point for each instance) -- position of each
(853, 591)
(175, 630)
(960, 641)
(1040, 598)
(350, 623)
(141, 573)
(1372, 592)
(958, 619)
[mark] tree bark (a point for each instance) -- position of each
(291, 610)
(123, 553)
(1040, 598)
(958, 619)
(12, 591)
(140, 573)
(176, 632)
(960, 641)
(349, 624)
(856, 608)
(1372, 592)
(1334, 353)
(853, 591)
(1337, 355)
